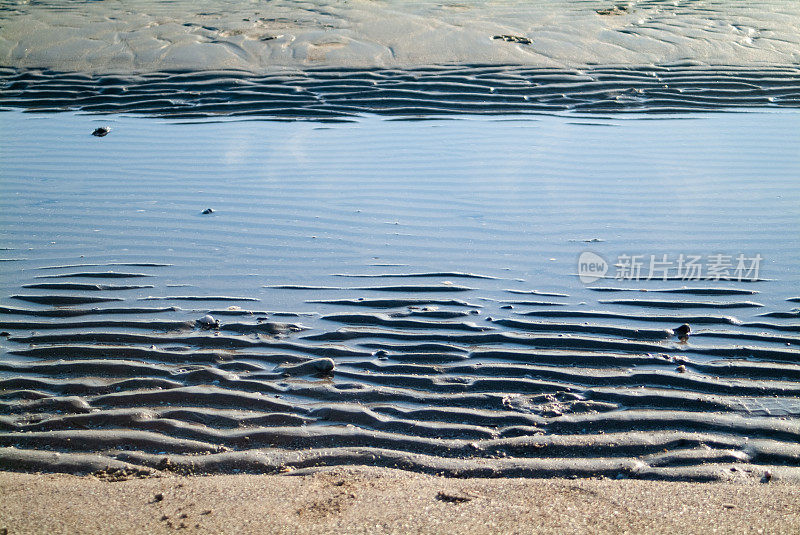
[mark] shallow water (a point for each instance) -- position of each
(395, 248)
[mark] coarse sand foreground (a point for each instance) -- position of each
(371, 500)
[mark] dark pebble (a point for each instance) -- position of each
(208, 211)
(682, 331)
(513, 39)
(101, 132)
(158, 497)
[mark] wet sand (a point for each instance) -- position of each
(331, 94)
(370, 500)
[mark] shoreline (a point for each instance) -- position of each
(369, 500)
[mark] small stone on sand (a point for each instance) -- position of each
(683, 331)
(451, 498)
(323, 366)
(208, 322)
(514, 39)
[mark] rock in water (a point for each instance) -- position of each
(208, 322)
(312, 367)
(101, 132)
(683, 331)
(208, 211)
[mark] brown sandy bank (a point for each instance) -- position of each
(370, 500)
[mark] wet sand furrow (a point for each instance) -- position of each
(433, 274)
(95, 275)
(773, 338)
(84, 287)
(395, 303)
(73, 312)
(680, 304)
(103, 367)
(483, 338)
(537, 292)
(151, 325)
(60, 300)
(113, 352)
(392, 322)
(538, 381)
(417, 348)
(672, 319)
(771, 326)
(106, 264)
(185, 353)
(690, 291)
(409, 289)
(628, 333)
(590, 366)
(197, 298)
(792, 314)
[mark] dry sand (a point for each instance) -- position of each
(371, 500)
(147, 36)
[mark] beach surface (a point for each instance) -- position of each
(399, 266)
(370, 500)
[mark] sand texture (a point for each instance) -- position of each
(147, 36)
(368, 500)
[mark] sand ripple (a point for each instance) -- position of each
(411, 383)
(466, 89)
